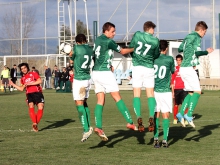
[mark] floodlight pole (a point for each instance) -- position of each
(98, 17)
(127, 22)
(87, 26)
(45, 28)
(213, 25)
(158, 19)
(75, 17)
(21, 32)
(189, 18)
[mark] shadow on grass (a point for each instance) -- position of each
(202, 133)
(56, 124)
(122, 134)
(9, 93)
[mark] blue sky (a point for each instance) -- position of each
(173, 15)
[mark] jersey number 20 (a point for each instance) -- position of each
(160, 72)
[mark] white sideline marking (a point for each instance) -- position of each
(62, 128)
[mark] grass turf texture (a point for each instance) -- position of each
(58, 141)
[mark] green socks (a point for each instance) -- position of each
(185, 104)
(124, 111)
(137, 106)
(151, 106)
(192, 104)
(156, 129)
(87, 112)
(98, 116)
(83, 117)
(166, 124)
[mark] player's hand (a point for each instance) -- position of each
(11, 83)
(210, 50)
(112, 69)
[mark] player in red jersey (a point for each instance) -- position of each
(32, 82)
(177, 85)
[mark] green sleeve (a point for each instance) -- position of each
(74, 53)
(112, 45)
(157, 51)
(180, 49)
(132, 44)
(201, 53)
(172, 66)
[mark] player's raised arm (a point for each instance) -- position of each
(126, 50)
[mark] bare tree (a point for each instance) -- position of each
(206, 66)
(12, 26)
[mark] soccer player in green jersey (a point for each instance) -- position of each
(146, 50)
(82, 56)
(191, 48)
(104, 79)
(163, 67)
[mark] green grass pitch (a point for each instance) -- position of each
(58, 141)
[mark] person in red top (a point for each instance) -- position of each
(71, 74)
(177, 85)
(31, 81)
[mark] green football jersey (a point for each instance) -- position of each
(104, 48)
(82, 57)
(163, 68)
(191, 48)
(146, 49)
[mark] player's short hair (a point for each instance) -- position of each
(179, 56)
(81, 38)
(201, 25)
(23, 64)
(148, 25)
(163, 45)
(107, 26)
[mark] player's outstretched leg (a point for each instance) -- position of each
(137, 110)
(193, 102)
(151, 106)
(98, 122)
(126, 114)
(175, 111)
(101, 134)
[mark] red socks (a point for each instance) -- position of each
(39, 115)
(186, 111)
(175, 111)
(35, 117)
(32, 115)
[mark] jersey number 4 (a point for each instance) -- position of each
(137, 51)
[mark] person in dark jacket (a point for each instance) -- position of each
(55, 75)
(64, 76)
(48, 76)
(13, 75)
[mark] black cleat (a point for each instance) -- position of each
(156, 143)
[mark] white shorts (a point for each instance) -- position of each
(81, 89)
(164, 102)
(142, 77)
(104, 81)
(190, 79)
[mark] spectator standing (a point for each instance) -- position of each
(13, 75)
(4, 77)
(48, 76)
(35, 70)
(56, 73)
(64, 76)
